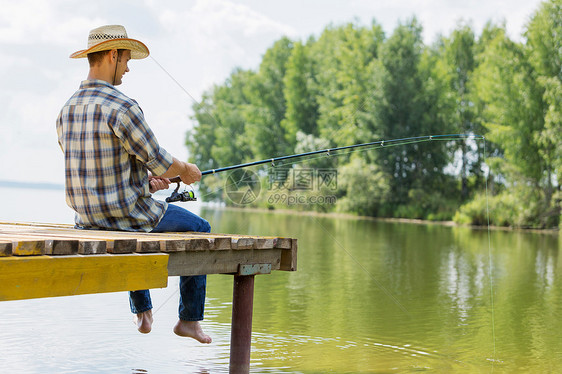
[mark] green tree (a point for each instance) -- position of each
(512, 110)
(266, 110)
(302, 108)
(457, 62)
(407, 103)
(345, 58)
(201, 139)
(218, 139)
(353, 85)
(544, 46)
(231, 102)
(364, 186)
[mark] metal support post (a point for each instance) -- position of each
(241, 333)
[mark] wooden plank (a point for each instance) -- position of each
(120, 242)
(54, 245)
(90, 241)
(247, 242)
(46, 276)
(173, 245)
(126, 242)
(92, 247)
(117, 244)
(65, 230)
(199, 244)
(218, 241)
(220, 262)
(61, 247)
(22, 246)
(211, 240)
(284, 243)
(223, 243)
(147, 246)
(121, 246)
(243, 243)
(265, 243)
(145, 242)
(289, 257)
(5, 248)
(59, 244)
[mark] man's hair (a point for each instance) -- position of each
(96, 57)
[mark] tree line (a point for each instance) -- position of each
(354, 84)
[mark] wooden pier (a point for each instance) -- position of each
(45, 260)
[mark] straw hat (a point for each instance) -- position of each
(110, 37)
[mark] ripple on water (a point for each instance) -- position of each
(336, 353)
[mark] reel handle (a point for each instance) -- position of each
(187, 195)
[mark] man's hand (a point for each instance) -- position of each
(190, 174)
(157, 183)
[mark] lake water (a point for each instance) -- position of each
(368, 297)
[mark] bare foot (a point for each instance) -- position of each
(143, 321)
(192, 329)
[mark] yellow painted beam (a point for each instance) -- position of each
(32, 277)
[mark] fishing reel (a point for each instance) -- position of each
(186, 195)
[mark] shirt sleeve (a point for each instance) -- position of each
(139, 141)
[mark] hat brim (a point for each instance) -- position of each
(137, 48)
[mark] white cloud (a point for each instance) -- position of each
(18, 23)
(442, 16)
(54, 22)
(10, 61)
(222, 34)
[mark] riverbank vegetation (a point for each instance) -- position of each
(355, 84)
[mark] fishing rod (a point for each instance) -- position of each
(189, 195)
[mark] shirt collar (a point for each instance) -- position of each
(95, 83)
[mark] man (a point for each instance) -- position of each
(113, 163)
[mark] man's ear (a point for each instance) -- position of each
(114, 55)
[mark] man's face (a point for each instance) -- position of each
(122, 66)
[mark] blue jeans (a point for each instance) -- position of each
(193, 288)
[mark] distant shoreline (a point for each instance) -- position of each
(59, 187)
(384, 219)
(31, 185)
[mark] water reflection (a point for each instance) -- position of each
(368, 297)
(343, 306)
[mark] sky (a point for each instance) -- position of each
(197, 42)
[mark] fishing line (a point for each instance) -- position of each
(208, 113)
(188, 94)
(490, 268)
(165, 302)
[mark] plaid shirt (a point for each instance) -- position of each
(108, 148)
